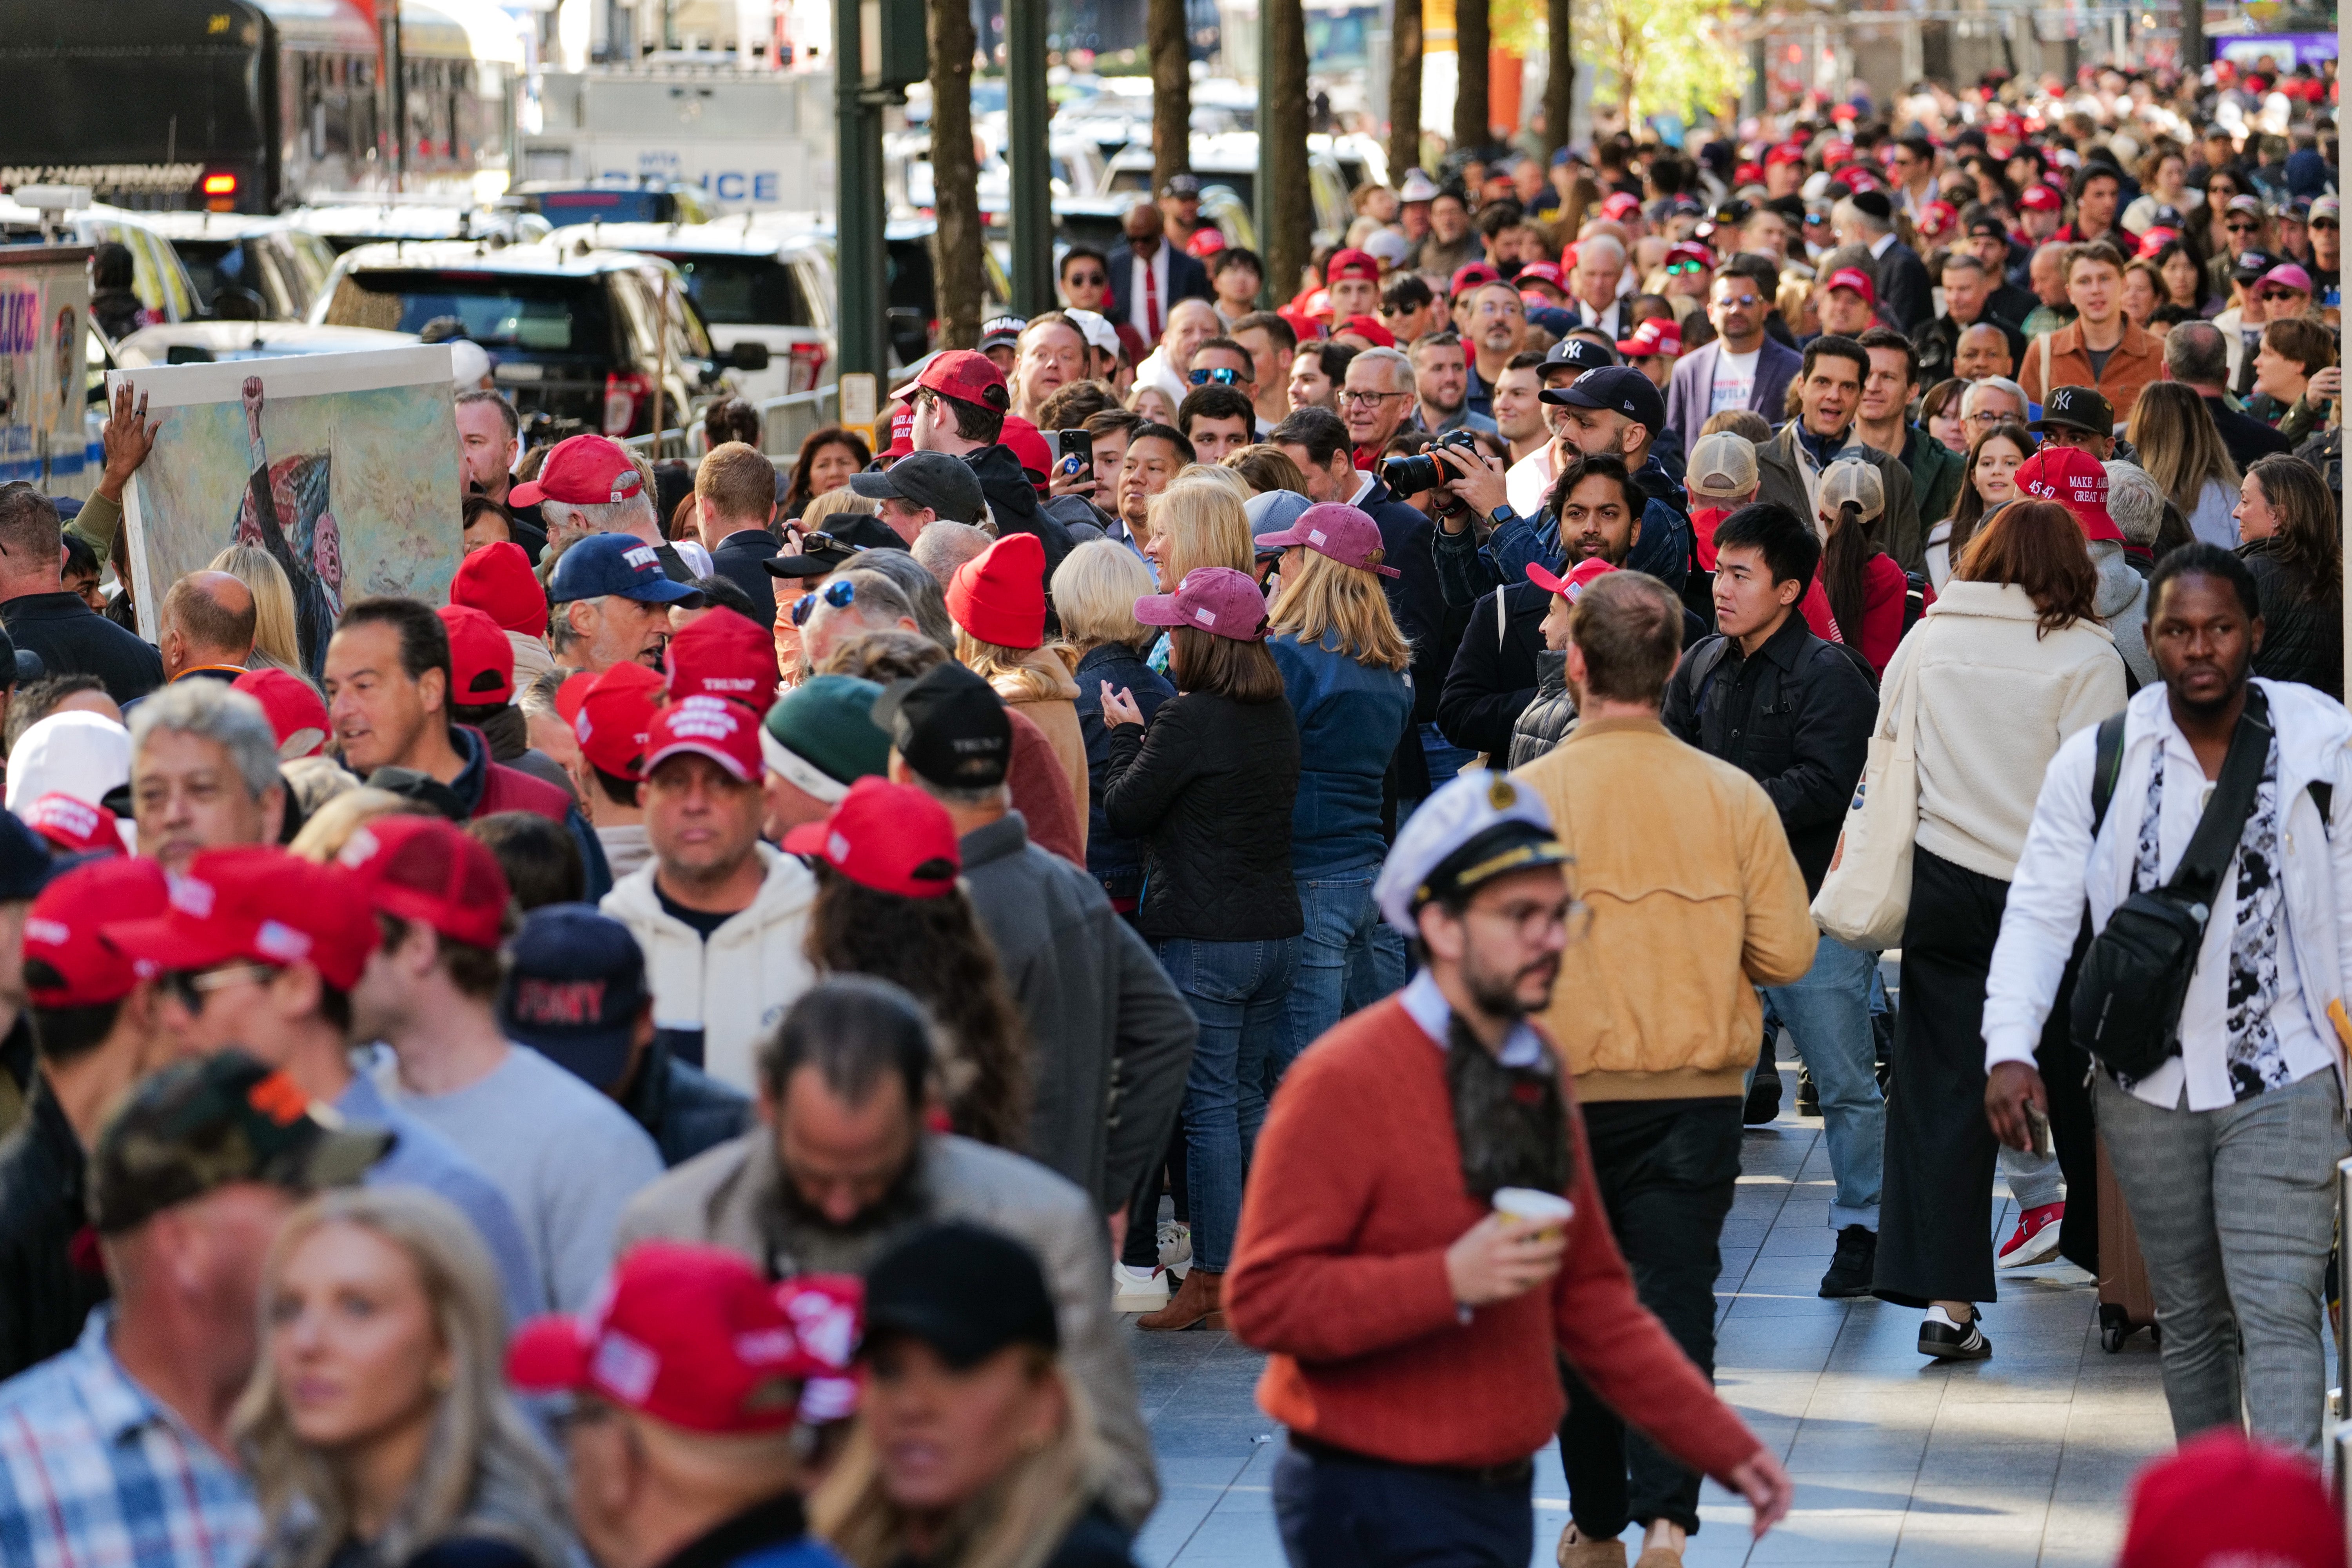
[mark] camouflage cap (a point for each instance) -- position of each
(203, 1124)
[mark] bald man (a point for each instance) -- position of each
(206, 626)
(1982, 350)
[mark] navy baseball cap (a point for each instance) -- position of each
(1576, 354)
(575, 985)
(606, 563)
(1620, 389)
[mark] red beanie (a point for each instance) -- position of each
(999, 596)
(497, 580)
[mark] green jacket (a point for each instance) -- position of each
(1936, 471)
(97, 524)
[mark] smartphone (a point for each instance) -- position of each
(2037, 1122)
(1079, 443)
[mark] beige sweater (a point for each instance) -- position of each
(1994, 701)
(1057, 716)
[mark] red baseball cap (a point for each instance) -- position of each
(1205, 241)
(1689, 250)
(2156, 240)
(62, 930)
(2223, 1498)
(1469, 275)
(1540, 272)
(2039, 198)
(902, 433)
(727, 732)
(498, 580)
(891, 837)
(73, 826)
(1786, 152)
(1351, 263)
(1573, 582)
(426, 868)
(1029, 447)
(1653, 337)
(1317, 306)
(1855, 278)
(963, 375)
(258, 903)
(481, 660)
(1368, 328)
(584, 470)
(999, 596)
(723, 654)
(1620, 205)
(695, 1338)
(297, 713)
(611, 714)
(2075, 480)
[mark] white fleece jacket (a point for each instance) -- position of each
(1995, 701)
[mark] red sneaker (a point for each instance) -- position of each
(2035, 1240)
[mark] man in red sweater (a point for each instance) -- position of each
(1415, 1332)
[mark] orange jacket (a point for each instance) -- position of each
(2058, 359)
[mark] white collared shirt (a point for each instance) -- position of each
(1878, 247)
(1157, 265)
(1428, 1007)
(1364, 483)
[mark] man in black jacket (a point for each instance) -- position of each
(93, 1022)
(71, 637)
(960, 401)
(1795, 713)
(1967, 300)
(2197, 356)
(1867, 218)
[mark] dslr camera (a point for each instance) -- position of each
(1423, 471)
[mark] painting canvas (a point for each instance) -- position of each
(342, 467)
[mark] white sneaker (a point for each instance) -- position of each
(1138, 1290)
(1175, 1244)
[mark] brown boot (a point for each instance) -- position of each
(1198, 1305)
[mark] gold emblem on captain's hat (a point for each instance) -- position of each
(1502, 794)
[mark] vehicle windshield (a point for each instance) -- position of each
(498, 310)
(741, 290)
(211, 263)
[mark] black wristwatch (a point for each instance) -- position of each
(1502, 514)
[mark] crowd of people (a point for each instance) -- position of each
(1309, 821)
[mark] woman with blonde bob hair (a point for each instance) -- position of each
(1343, 665)
(377, 1427)
(1198, 522)
(974, 1449)
(1095, 589)
(274, 640)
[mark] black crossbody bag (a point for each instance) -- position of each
(2135, 978)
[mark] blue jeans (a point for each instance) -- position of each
(1338, 1512)
(1829, 1013)
(1236, 990)
(1445, 758)
(1343, 964)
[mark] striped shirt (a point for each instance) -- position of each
(95, 1472)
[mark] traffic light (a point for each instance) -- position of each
(894, 49)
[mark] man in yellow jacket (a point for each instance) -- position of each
(1696, 900)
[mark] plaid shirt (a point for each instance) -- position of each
(95, 1473)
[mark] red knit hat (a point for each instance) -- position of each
(481, 660)
(999, 596)
(497, 580)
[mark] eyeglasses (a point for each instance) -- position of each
(1221, 377)
(1370, 399)
(840, 593)
(1987, 416)
(191, 986)
(1086, 279)
(2246, 226)
(1534, 921)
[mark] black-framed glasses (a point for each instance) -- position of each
(1219, 377)
(191, 986)
(2247, 226)
(841, 592)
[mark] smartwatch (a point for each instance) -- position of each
(1502, 514)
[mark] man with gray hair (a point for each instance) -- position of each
(944, 546)
(203, 772)
(1867, 219)
(1989, 402)
(2197, 356)
(850, 605)
(2136, 502)
(1592, 280)
(1375, 401)
(922, 590)
(590, 485)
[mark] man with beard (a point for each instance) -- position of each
(1441, 377)
(843, 1161)
(1828, 393)
(1415, 1330)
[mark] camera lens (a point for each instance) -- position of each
(1409, 476)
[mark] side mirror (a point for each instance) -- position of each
(748, 355)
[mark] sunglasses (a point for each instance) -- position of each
(1219, 377)
(840, 593)
(191, 986)
(1086, 279)
(2277, 296)
(818, 538)
(2246, 226)
(1683, 268)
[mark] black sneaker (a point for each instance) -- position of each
(1850, 1270)
(1763, 1098)
(1809, 1094)
(1946, 1342)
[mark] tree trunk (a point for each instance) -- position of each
(1171, 91)
(1290, 236)
(1559, 86)
(1470, 130)
(955, 178)
(1404, 91)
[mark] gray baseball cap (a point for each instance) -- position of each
(946, 485)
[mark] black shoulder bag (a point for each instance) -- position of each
(2133, 979)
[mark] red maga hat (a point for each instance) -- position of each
(2075, 480)
(891, 837)
(2039, 198)
(426, 869)
(481, 660)
(695, 1338)
(262, 905)
(74, 826)
(727, 732)
(1573, 582)
(1358, 264)
(611, 714)
(1855, 278)
(1653, 337)
(963, 375)
(584, 470)
(723, 654)
(1368, 328)
(62, 930)
(297, 713)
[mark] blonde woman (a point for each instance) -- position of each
(1095, 589)
(274, 639)
(1196, 522)
(2181, 449)
(970, 1451)
(377, 1429)
(997, 600)
(1343, 665)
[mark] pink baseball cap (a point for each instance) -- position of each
(1573, 582)
(2287, 275)
(1213, 599)
(1345, 533)
(1651, 338)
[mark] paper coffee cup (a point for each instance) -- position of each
(1531, 1203)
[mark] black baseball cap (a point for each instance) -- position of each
(950, 725)
(574, 986)
(25, 863)
(2076, 408)
(946, 485)
(1577, 355)
(2251, 264)
(1619, 388)
(820, 553)
(965, 1292)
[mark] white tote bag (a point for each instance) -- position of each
(1866, 895)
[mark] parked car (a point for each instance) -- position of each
(361, 221)
(247, 268)
(584, 338)
(214, 343)
(752, 280)
(1230, 160)
(165, 290)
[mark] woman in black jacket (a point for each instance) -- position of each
(1095, 593)
(2286, 528)
(1209, 787)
